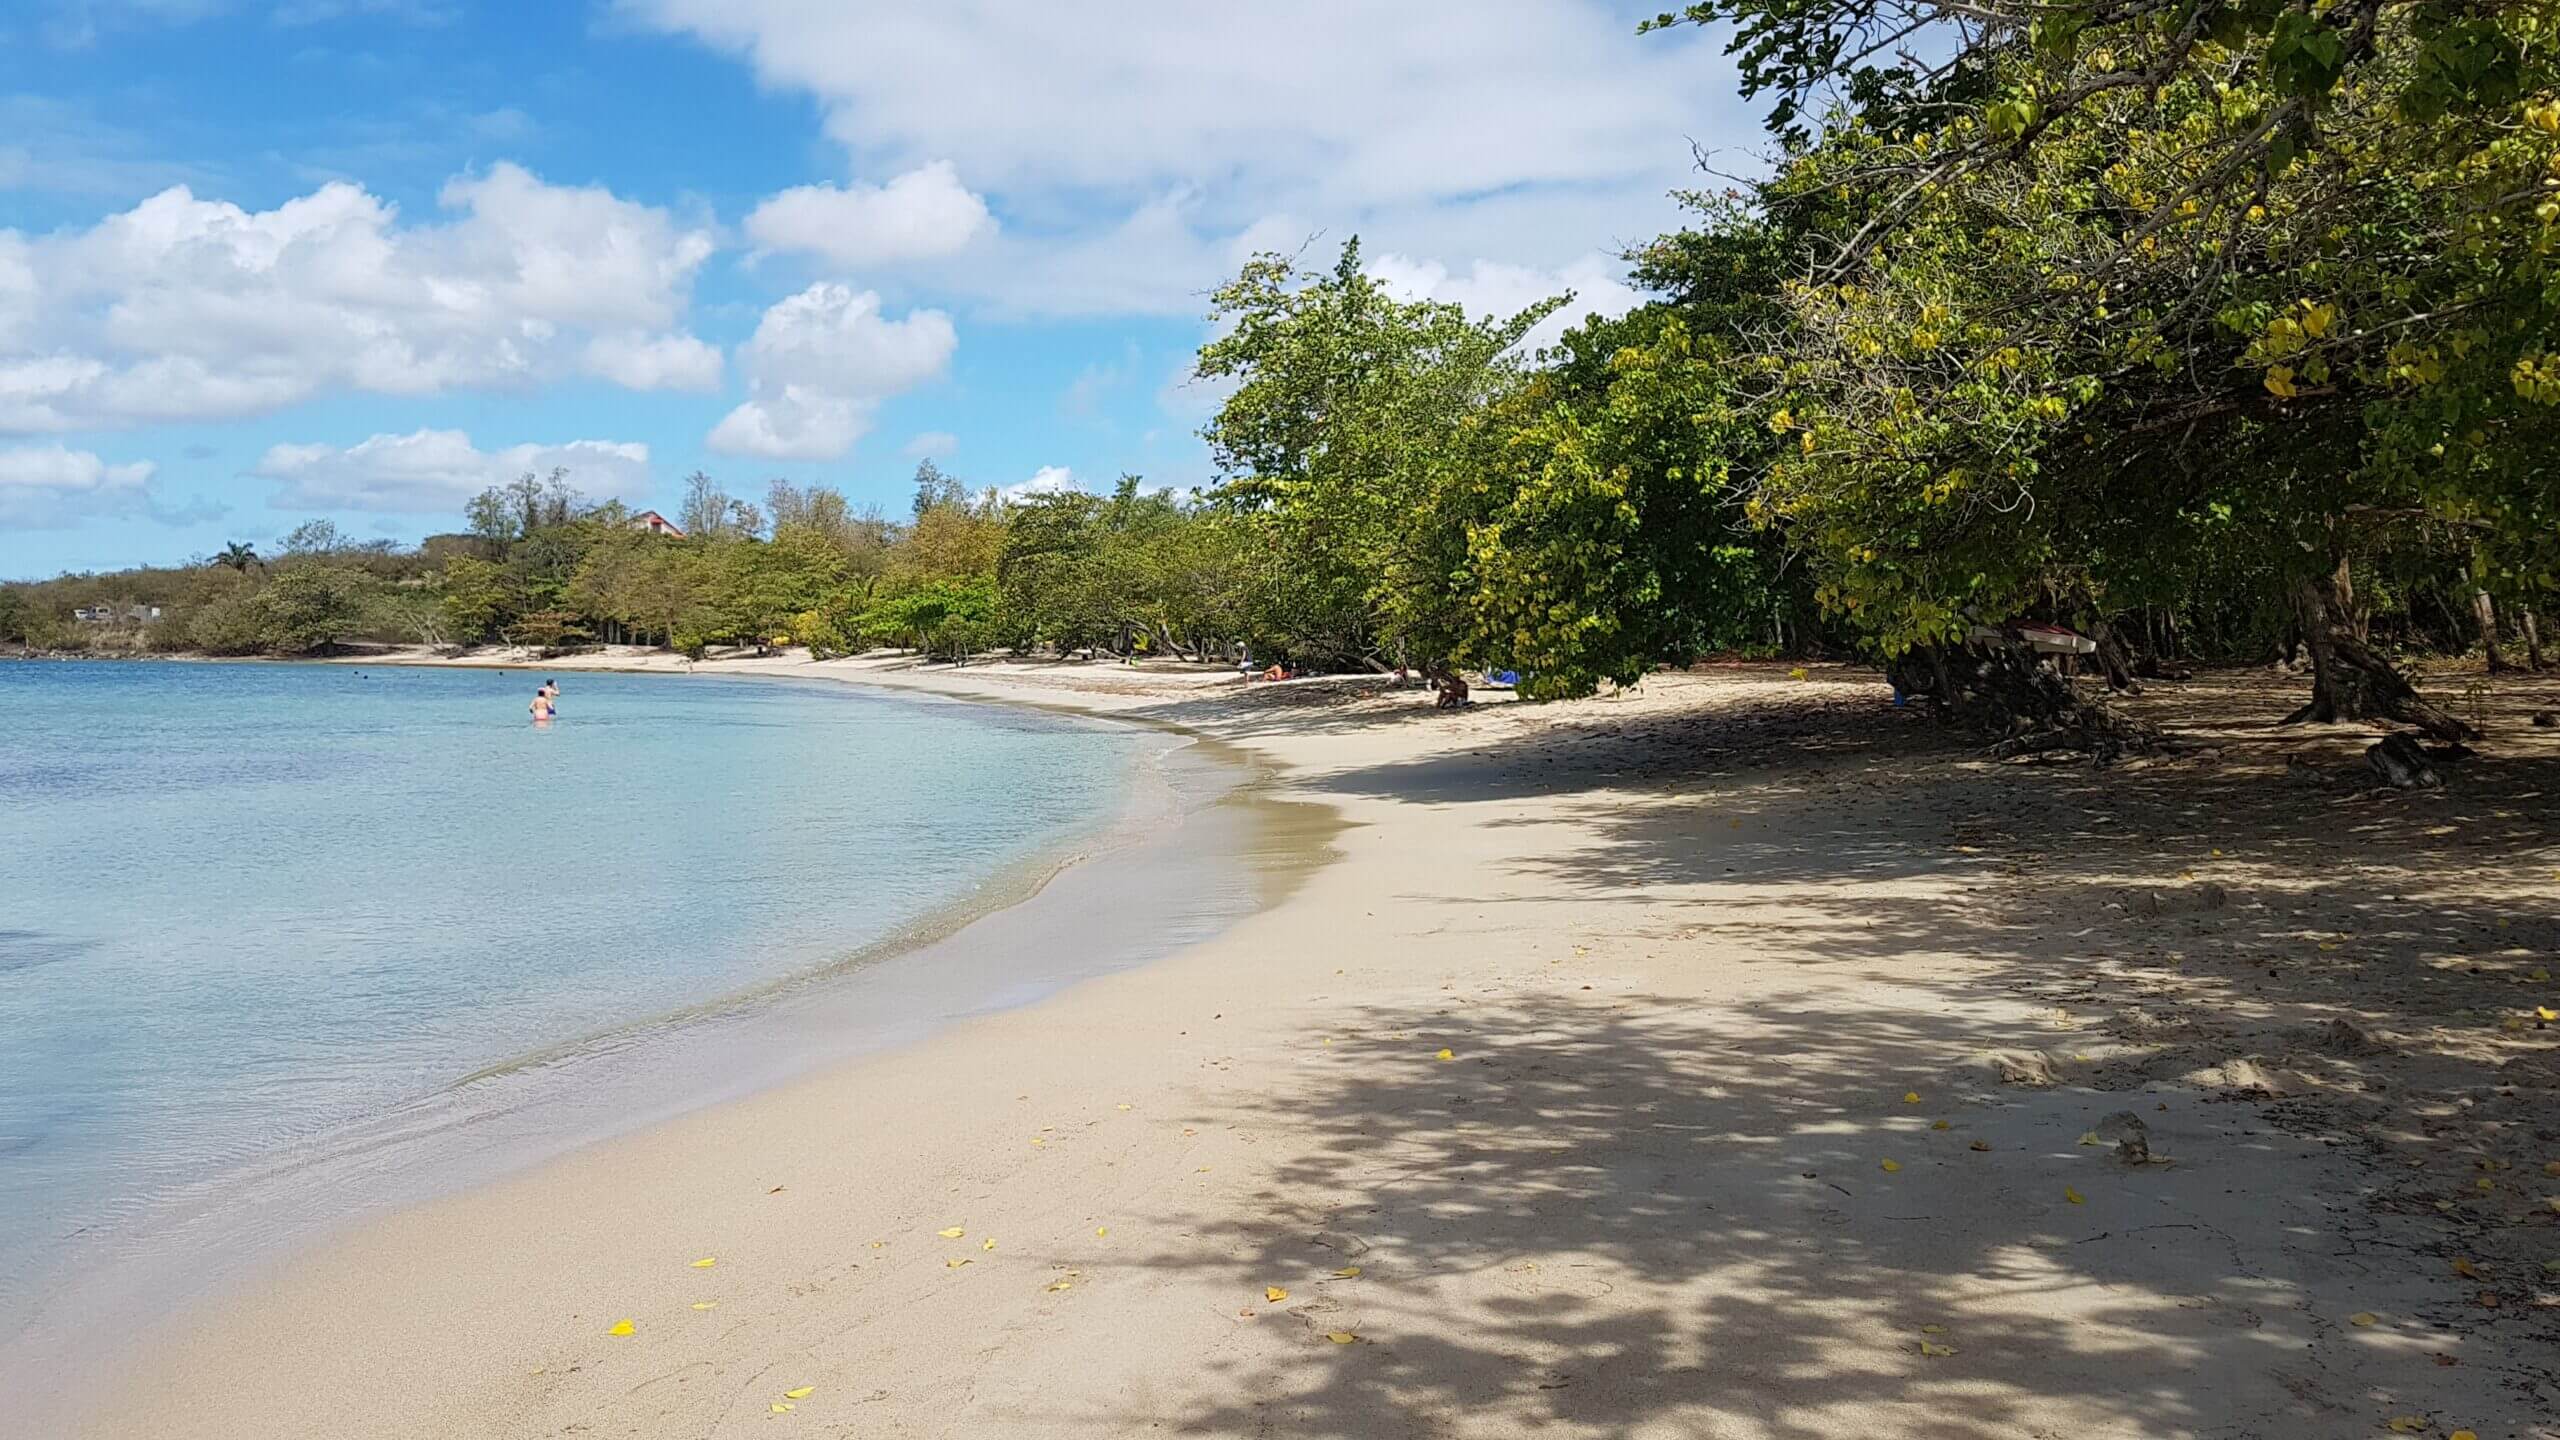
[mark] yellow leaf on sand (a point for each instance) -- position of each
(1890, 1166)
(1933, 1329)
(1926, 1348)
(2467, 1270)
(803, 1393)
(705, 1263)
(954, 1264)
(1910, 1097)
(706, 1304)
(2464, 1435)
(2546, 1012)
(954, 1233)
(1057, 1286)
(2074, 1196)
(2539, 975)
(1347, 1272)
(780, 1409)
(1119, 1107)
(2551, 1167)
(1274, 1294)
(989, 1244)
(1340, 1337)
(2364, 1317)
(619, 1327)
(2484, 1183)
(1940, 1125)
(1980, 1145)
(2089, 1138)
(1446, 1055)
(2408, 1424)
(1101, 1229)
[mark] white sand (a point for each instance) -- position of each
(1688, 951)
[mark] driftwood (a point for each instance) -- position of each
(2402, 765)
(2003, 690)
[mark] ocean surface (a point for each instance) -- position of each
(279, 943)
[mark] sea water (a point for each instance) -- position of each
(274, 939)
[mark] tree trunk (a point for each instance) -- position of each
(2485, 610)
(2349, 680)
(2112, 659)
(2000, 689)
(2532, 637)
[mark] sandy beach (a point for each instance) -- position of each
(1733, 1057)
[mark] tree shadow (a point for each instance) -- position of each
(1617, 1213)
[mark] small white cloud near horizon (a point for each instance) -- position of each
(1047, 480)
(931, 445)
(49, 487)
(923, 213)
(436, 472)
(818, 367)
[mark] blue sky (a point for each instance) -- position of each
(356, 258)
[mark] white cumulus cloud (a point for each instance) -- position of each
(818, 367)
(923, 213)
(1047, 480)
(1491, 290)
(433, 472)
(184, 308)
(931, 444)
(48, 487)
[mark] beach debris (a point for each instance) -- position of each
(1941, 1125)
(1120, 1107)
(956, 1263)
(2030, 1068)
(2089, 1137)
(1929, 1347)
(2128, 1134)
(988, 1244)
(1910, 1097)
(706, 1262)
(706, 1304)
(2467, 1270)
(2409, 1424)
(1446, 1054)
(803, 1393)
(619, 1327)
(1933, 1329)
(2074, 1196)
(2464, 1435)
(780, 1408)
(1101, 1230)
(1347, 1272)
(2402, 765)
(1979, 1145)
(1890, 1166)
(1057, 1285)
(2364, 1319)
(1340, 1337)
(1274, 1294)
(953, 1233)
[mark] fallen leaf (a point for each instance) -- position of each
(803, 1393)
(2484, 1183)
(1933, 1329)
(1119, 1107)
(2090, 1138)
(1061, 1285)
(2546, 1012)
(954, 1233)
(2467, 1270)
(619, 1327)
(706, 1304)
(1891, 1166)
(1979, 1145)
(989, 1244)
(1347, 1272)
(2074, 1196)
(1910, 1097)
(2364, 1317)
(2408, 1424)
(1340, 1337)
(779, 1409)
(2539, 975)
(954, 1264)
(1274, 1294)
(2551, 1167)
(1101, 1229)
(1940, 1125)
(2464, 1435)
(1446, 1055)
(1926, 1348)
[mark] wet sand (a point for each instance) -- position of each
(1649, 1066)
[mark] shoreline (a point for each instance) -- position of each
(1637, 1071)
(933, 970)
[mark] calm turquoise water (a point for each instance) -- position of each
(247, 911)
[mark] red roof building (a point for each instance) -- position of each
(657, 524)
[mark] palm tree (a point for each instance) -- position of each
(238, 556)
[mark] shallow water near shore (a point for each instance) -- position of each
(281, 946)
